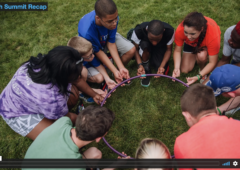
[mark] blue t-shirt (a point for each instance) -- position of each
(94, 63)
(97, 35)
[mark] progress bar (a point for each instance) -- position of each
(119, 163)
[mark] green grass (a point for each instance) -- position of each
(140, 112)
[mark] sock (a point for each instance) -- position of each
(146, 65)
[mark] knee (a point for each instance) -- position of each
(95, 153)
(98, 78)
(202, 56)
(132, 52)
(145, 54)
(185, 70)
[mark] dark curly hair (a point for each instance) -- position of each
(59, 67)
(197, 20)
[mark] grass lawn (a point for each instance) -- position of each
(140, 112)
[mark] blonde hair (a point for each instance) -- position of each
(80, 44)
(150, 148)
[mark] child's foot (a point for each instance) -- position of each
(104, 86)
(203, 79)
(231, 112)
(86, 98)
(80, 107)
(146, 82)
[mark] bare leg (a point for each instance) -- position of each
(128, 56)
(145, 55)
(96, 79)
(188, 62)
(92, 153)
(44, 123)
(202, 59)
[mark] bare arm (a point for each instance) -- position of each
(234, 104)
(167, 56)
(113, 51)
(141, 69)
(137, 56)
(177, 61)
(82, 86)
(123, 71)
(105, 60)
(207, 69)
(111, 84)
(224, 60)
(177, 57)
(210, 66)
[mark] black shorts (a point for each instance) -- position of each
(187, 48)
(156, 54)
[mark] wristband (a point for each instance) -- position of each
(219, 111)
(140, 64)
(199, 76)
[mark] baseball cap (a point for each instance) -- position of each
(225, 78)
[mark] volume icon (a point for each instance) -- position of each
(226, 164)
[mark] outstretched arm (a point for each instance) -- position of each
(113, 51)
(177, 61)
(230, 104)
(166, 57)
(111, 84)
(105, 60)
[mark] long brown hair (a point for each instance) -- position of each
(197, 20)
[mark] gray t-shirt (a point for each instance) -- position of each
(227, 50)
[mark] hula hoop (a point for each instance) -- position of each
(143, 75)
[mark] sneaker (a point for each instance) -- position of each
(104, 86)
(146, 82)
(203, 79)
(86, 98)
(127, 83)
(80, 107)
(231, 112)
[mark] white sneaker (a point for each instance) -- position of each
(203, 79)
(231, 112)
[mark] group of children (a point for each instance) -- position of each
(53, 83)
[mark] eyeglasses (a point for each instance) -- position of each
(88, 57)
(112, 22)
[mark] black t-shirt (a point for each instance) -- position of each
(141, 33)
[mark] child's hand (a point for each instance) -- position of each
(124, 73)
(160, 71)
(176, 73)
(111, 84)
(141, 71)
(191, 80)
(101, 92)
(127, 157)
(118, 77)
(98, 99)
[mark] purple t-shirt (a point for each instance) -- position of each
(23, 97)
